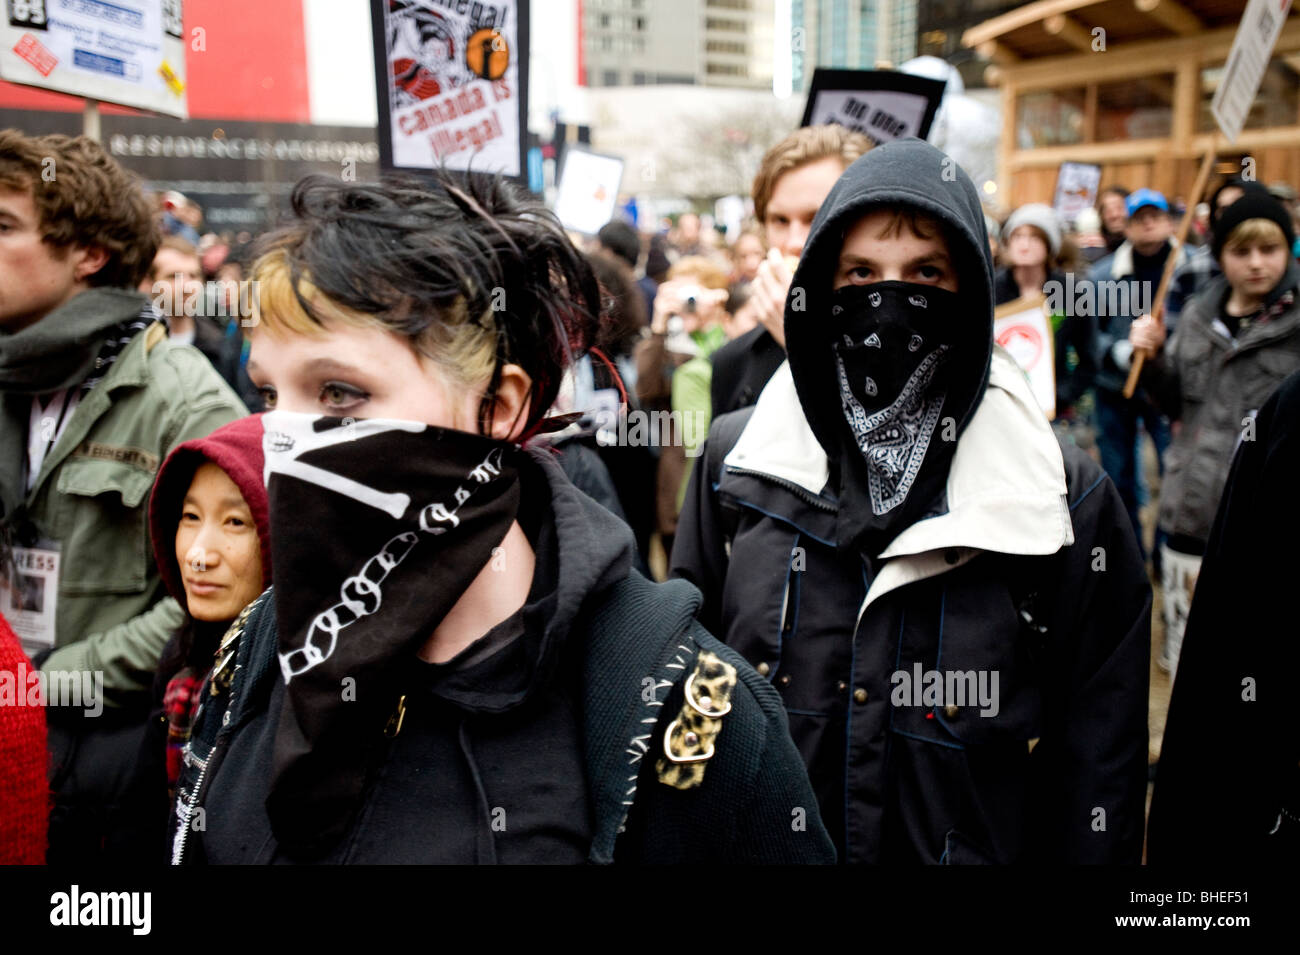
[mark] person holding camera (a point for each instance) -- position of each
(674, 375)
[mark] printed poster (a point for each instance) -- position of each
(1076, 189)
(453, 84)
(1024, 330)
(883, 105)
(587, 193)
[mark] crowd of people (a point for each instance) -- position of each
(657, 547)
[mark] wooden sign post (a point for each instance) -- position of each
(1158, 307)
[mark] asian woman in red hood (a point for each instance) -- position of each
(210, 531)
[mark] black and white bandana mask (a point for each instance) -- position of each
(898, 366)
(377, 529)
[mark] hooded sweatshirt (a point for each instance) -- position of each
(187, 656)
(236, 448)
(904, 173)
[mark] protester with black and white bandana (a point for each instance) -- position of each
(895, 505)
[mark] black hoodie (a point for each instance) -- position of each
(904, 173)
(997, 585)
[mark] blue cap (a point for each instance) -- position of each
(1145, 197)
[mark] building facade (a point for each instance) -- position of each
(695, 42)
(849, 34)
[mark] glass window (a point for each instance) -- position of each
(1278, 100)
(1050, 118)
(1139, 108)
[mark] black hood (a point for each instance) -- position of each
(907, 172)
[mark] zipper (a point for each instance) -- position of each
(229, 645)
(178, 850)
(798, 491)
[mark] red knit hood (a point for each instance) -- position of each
(236, 448)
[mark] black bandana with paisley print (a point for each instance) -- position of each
(902, 390)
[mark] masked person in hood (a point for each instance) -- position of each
(456, 662)
(952, 605)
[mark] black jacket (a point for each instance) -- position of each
(924, 784)
(741, 368)
(1230, 757)
(632, 643)
(1026, 571)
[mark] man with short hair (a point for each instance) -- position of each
(687, 237)
(92, 397)
(621, 240)
(175, 285)
(1125, 284)
(793, 179)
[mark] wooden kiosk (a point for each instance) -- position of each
(1127, 84)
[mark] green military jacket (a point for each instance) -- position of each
(92, 497)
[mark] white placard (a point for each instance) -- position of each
(1023, 329)
(588, 190)
(1252, 47)
(130, 52)
(1076, 189)
(884, 115)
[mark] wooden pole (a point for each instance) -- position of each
(1158, 307)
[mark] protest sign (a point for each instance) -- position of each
(883, 105)
(452, 78)
(1076, 189)
(1023, 329)
(1252, 47)
(588, 189)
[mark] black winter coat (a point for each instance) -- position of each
(1228, 786)
(1058, 773)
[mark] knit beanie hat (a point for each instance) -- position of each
(1256, 203)
(1042, 217)
(1087, 222)
(236, 448)
(1236, 182)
